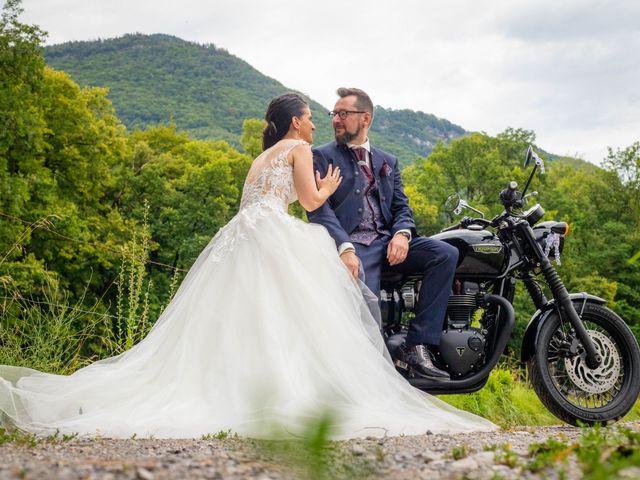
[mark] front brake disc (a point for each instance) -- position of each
(602, 378)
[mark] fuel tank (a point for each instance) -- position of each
(481, 254)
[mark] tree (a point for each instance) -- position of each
(193, 188)
(251, 139)
(21, 146)
(598, 204)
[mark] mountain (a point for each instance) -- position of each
(208, 92)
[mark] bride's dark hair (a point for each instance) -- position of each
(279, 114)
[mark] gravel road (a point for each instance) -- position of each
(410, 457)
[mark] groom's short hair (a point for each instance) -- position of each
(363, 101)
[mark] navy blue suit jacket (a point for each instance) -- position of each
(342, 212)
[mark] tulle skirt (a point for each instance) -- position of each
(267, 334)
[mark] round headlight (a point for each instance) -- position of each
(534, 214)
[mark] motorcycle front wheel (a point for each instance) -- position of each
(571, 390)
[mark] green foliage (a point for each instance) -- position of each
(156, 79)
(73, 185)
(600, 205)
(505, 401)
(552, 453)
(17, 437)
(133, 295)
(315, 457)
(57, 157)
(604, 452)
(477, 167)
(208, 93)
(460, 451)
(21, 78)
(409, 134)
(47, 334)
(251, 138)
(192, 187)
(221, 435)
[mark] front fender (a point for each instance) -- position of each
(530, 338)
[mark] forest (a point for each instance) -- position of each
(100, 219)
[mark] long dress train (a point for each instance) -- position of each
(267, 332)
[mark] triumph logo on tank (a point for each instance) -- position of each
(488, 249)
(460, 350)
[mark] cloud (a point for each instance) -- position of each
(573, 20)
(568, 70)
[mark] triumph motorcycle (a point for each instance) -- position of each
(582, 358)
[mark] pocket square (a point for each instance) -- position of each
(385, 170)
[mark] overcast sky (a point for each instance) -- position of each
(567, 69)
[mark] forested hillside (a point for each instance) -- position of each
(208, 92)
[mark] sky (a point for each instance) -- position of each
(568, 70)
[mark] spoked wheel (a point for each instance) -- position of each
(570, 389)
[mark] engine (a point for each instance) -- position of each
(462, 347)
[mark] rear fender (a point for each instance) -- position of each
(530, 338)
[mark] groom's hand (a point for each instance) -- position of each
(397, 249)
(351, 261)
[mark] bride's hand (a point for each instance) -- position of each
(331, 180)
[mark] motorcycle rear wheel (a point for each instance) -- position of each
(572, 391)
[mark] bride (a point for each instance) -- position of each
(267, 332)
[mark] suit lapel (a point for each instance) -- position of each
(376, 163)
(347, 155)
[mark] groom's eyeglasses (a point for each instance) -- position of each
(343, 113)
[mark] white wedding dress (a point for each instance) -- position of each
(267, 332)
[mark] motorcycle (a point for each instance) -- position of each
(583, 360)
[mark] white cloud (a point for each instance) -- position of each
(567, 70)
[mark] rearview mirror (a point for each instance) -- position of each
(531, 155)
(527, 157)
(452, 204)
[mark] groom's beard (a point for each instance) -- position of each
(346, 137)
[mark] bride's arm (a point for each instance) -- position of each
(312, 190)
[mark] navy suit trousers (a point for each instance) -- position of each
(437, 261)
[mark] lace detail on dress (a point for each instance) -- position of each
(270, 180)
(269, 187)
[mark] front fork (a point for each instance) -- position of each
(561, 295)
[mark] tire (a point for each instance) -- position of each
(575, 393)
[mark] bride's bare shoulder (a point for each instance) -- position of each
(299, 150)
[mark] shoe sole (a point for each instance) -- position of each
(431, 377)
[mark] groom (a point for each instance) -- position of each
(371, 222)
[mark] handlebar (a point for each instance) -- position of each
(511, 197)
(467, 221)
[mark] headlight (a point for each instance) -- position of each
(534, 214)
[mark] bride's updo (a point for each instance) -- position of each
(279, 114)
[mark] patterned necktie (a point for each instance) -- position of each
(361, 155)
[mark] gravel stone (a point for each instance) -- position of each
(396, 458)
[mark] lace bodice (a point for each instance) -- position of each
(270, 178)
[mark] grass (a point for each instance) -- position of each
(49, 334)
(600, 453)
(313, 456)
(221, 435)
(17, 437)
(508, 401)
(53, 334)
(505, 400)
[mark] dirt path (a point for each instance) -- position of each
(429, 456)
